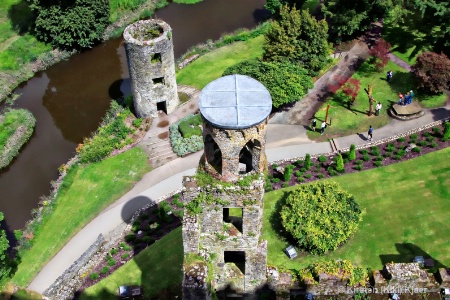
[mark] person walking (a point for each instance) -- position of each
(314, 124)
(378, 108)
(369, 133)
(322, 127)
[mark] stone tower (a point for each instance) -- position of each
(151, 62)
(223, 217)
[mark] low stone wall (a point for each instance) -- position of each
(368, 145)
(70, 280)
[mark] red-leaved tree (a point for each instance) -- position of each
(379, 53)
(351, 88)
(432, 72)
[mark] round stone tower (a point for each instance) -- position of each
(235, 112)
(151, 62)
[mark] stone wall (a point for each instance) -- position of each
(64, 286)
(208, 233)
(152, 67)
(223, 150)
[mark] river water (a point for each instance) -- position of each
(69, 99)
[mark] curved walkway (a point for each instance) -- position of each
(168, 178)
(285, 139)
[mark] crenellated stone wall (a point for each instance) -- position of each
(151, 64)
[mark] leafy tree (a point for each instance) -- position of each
(345, 89)
(274, 5)
(5, 261)
(348, 17)
(70, 24)
(432, 72)
(320, 216)
(298, 37)
(285, 81)
(380, 54)
(351, 89)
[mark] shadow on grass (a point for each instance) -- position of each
(275, 221)
(21, 16)
(406, 254)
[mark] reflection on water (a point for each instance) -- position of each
(69, 99)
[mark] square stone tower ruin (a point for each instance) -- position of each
(224, 202)
(149, 48)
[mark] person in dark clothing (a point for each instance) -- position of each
(369, 133)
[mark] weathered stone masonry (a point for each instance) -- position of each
(152, 66)
(234, 111)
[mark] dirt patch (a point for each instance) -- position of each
(163, 135)
(162, 124)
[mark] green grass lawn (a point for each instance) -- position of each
(410, 38)
(406, 208)
(86, 191)
(157, 269)
(211, 66)
(346, 121)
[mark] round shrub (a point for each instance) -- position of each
(358, 167)
(366, 157)
(125, 255)
(105, 270)
(416, 149)
(300, 179)
(320, 175)
(111, 262)
(130, 238)
(285, 185)
(322, 158)
(308, 175)
(401, 139)
(320, 216)
(114, 251)
(377, 163)
(94, 276)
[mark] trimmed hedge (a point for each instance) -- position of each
(182, 145)
(191, 126)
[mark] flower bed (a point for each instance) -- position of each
(152, 224)
(182, 145)
(288, 173)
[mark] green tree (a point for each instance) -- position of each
(340, 164)
(5, 261)
(70, 24)
(352, 152)
(348, 17)
(320, 216)
(274, 5)
(298, 37)
(285, 81)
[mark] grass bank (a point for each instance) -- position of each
(16, 127)
(157, 269)
(85, 192)
(347, 121)
(396, 198)
(211, 65)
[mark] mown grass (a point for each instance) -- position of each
(345, 121)
(406, 208)
(86, 191)
(211, 65)
(157, 269)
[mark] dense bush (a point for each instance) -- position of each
(320, 216)
(340, 163)
(180, 145)
(431, 71)
(16, 127)
(307, 161)
(285, 81)
(70, 24)
(6, 264)
(446, 131)
(112, 134)
(342, 269)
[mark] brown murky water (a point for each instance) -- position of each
(69, 99)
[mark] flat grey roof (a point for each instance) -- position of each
(235, 102)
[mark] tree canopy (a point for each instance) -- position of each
(298, 37)
(70, 24)
(5, 261)
(432, 72)
(320, 216)
(285, 81)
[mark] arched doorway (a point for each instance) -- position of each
(213, 155)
